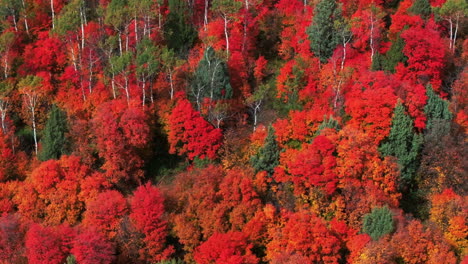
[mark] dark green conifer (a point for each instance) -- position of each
(54, 141)
(322, 34)
(403, 143)
(394, 55)
(422, 8)
(329, 122)
(436, 109)
(377, 62)
(267, 157)
(378, 223)
(178, 32)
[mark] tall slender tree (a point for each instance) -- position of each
(54, 141)
(403, 143)
(322, 35)
(178, 31)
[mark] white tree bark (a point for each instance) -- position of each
(53, 13)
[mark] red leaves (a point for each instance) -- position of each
(46, 54)
(312, 166)
(420, 244)
(7, 158)
(11, 239)
(105, 212)
(370, 103)
(147, 211)
(46, 245)
(190, 134)
(121, 132)
(426, 55)
(90, 247)
(260, 68)
(229, 248)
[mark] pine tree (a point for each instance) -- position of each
(436, 107)
(422, 8)
(377, 62)
(267, 157)
(178, 32)
(403, 143)
(322, 34)
(394, 55)
(377, 223)
(54, 141)
(438, 116)
(329, 122)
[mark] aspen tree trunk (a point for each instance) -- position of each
(226, 34)
(25, 18)
(205, 17)
(53, 13)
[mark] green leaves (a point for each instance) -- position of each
(403, 143)
(70, 17)
(322, 33)
(118, 14)
(178, 32)
(267, 157)
(394, 55)
(378, 223)
(54, 141)
(422, 8)
(147, 62)
(212, 78)
(436, 108)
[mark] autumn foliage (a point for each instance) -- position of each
(233, 131)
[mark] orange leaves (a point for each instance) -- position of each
(300, 127)
(58, 190)
(260, 69)
(419, 244)
(449, 211)
(208, 201)
(304, 234)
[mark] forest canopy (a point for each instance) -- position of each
(233, 131)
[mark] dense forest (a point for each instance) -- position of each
(233, 131)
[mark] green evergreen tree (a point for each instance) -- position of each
(178, 32)
(329, 122)
(267, 157)
(394, 55)
(422, 8)
(54, 141)
(211, 79)
(436, 108)
(377, 62)
(322, 33)
(438, 116)
(403, 143)
(378, 223)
